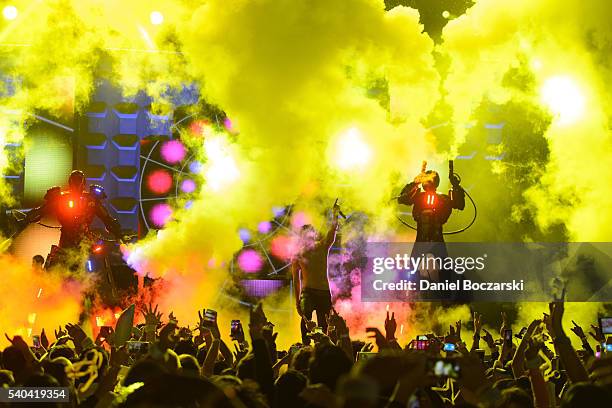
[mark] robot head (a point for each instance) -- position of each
(76, 181)
(431, 181)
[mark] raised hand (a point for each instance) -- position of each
(390, 326)
(477, 323)
(374, 333)
(488, 338)
(452, 336)
(257, 321)
(367, 347)
(76, 332)
(152, 316)
(532, 327)
(458, 329)
(556, 315)
(504, 324)
(334, 319)
(44, 341)
(577, 330)
(310, 324)
(60, 333)
(172, 318)
(597, 334)
(241, 351)
(533, 349)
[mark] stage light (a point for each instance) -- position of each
(284, 247)
(195, 167)
(160, 214)
(264, 227)
(221, 168)
(173, 151)
(278, 211)
(352, 151)
(250, 261)
(536, 64)
(98, 249)
(244, 234)
(564, 98)
(445, 14)
(70, 204)
(188, 186)
(10, 12)
(156, 18)
(159, 181)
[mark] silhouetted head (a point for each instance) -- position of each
(38, 261)
(431, 181)
(582, 395)
(308, 236)
(76, 181)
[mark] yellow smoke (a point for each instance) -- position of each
(33, 300)
(294, 78)
(567, 48)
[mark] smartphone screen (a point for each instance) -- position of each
(138, 346)
(449, 347)
(235, 329)
(36, 340)
(210, 316)
(421, 344)
(365, 355)
(605, 324)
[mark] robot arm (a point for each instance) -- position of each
(457, 197)
(36, 214)
(111, 224)
(408, 194)
(456, 194)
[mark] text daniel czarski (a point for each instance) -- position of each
(459, 265)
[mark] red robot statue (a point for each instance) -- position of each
(75, 210)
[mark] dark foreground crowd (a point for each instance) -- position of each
(168, 365)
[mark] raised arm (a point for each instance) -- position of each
(408, 194)
(111, 224)
(35, 214)
(333, 229)
(575, 370)
(297, 284)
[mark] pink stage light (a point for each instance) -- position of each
(188, 186)
(173, 151)
(159, 181)
(250, 261)
(228, 124)
(264, 227)
(160, 214)
(300, 219)
(284, 247)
